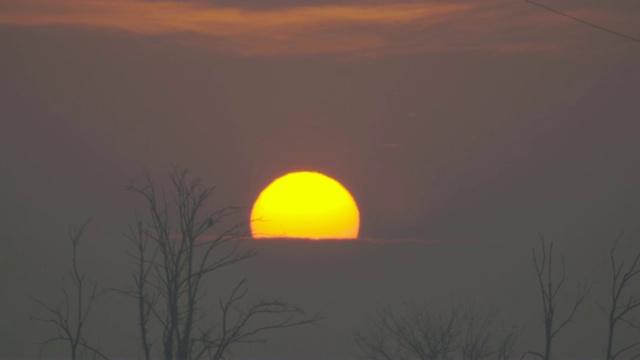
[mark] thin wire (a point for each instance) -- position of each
(584, 21)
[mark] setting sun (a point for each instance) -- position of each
(305, 205)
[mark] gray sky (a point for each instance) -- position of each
(456, 123)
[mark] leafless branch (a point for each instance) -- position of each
(377, 343)
(621, 304)
(244, 323)
(174, 255)
(550, 286)
(69, 317)
(420, 332)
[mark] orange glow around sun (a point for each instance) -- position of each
(305, 205)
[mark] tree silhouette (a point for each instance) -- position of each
(621, 305)
(420, 332)
(173, 260)
(70, 316)
(550, 287)
(379, 343)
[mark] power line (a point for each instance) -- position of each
(584, 21)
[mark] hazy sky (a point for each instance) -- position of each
(455, 122)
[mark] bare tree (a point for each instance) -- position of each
(141, 292)
(378, 343)
(480, 337)
(70, 316)
(506, 347)
(173, 259)
(476, 334)
(622, 305)
(241, 323)
(420, 332)
(550, 286)
(426, 334)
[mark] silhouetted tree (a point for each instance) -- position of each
(423, 333)
(420, 332)
(506, 347)
(69, 317)
(476, 334)
(145, 299)
(173, 259)
(622, 304)
(378, 343)
(550, 287)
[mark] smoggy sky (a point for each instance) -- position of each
(457, 121)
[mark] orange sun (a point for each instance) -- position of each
(305, 205)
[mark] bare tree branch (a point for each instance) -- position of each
(420, 332)
(177, 248)
(70, 316)
(550, 287)
(378, 343)
(621, 305)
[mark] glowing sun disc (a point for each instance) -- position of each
(306, 205)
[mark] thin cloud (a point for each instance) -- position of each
(355, 30)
